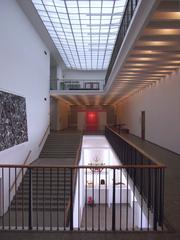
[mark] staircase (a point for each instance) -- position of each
(50, 186)
(62, 145)
(50, 190)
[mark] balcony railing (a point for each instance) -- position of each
(144, 180)
(106, 198)
(75, 85)
(128, 197)
(126, 19)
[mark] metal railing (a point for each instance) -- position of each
(106, 198)
(69, 85)
(85, 198)
(129, 153)
(126, 19)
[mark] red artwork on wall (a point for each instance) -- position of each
(91, 121)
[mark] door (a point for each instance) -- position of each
(91, 121)
(143, 127)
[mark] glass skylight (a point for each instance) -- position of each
(84, 31)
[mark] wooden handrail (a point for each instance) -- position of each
(82, 167)
(44, 135)
(136, 147)
(24, 164)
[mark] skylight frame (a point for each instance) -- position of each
(84, 34)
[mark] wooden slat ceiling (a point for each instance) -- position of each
(155, 55)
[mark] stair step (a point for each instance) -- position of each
(47, 189)
(35, 203)
(48, 178)
(48, 209)
(47, 198)
(46, 194)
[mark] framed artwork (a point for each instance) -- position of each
(13, 120)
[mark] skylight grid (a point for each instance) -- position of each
(84, 31)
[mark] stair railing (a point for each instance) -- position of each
(20, 171)
(45, 133)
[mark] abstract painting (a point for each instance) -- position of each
(13, 120)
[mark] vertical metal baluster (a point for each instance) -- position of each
(93, 201)
(23, 198)
(15, 195)
(9, 199)
(99, 196)
(71, 202)
(141, 193)
(37, 227)
(30, 200)
(57, 171)
(120, 215)
(127, 198)
(152, 190)
(92, 207)
(148, 200)
(78, 174)
(159, 196)
(119, 180)
(162, 203)
(43, 203)
(64, 198)
(86, 202)
(134, 182)
(113, 201)
(50, 199)
(155, 200)
(2, 172)
(3, 198)
(106, 203)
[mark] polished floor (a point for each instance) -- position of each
(99, 218)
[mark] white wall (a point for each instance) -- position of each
(25, 72)
(83, 75)
(162, 105)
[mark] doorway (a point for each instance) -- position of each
(91, 121)
(143, 127)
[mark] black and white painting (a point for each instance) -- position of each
(13, 120)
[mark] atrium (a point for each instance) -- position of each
(89, 119)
